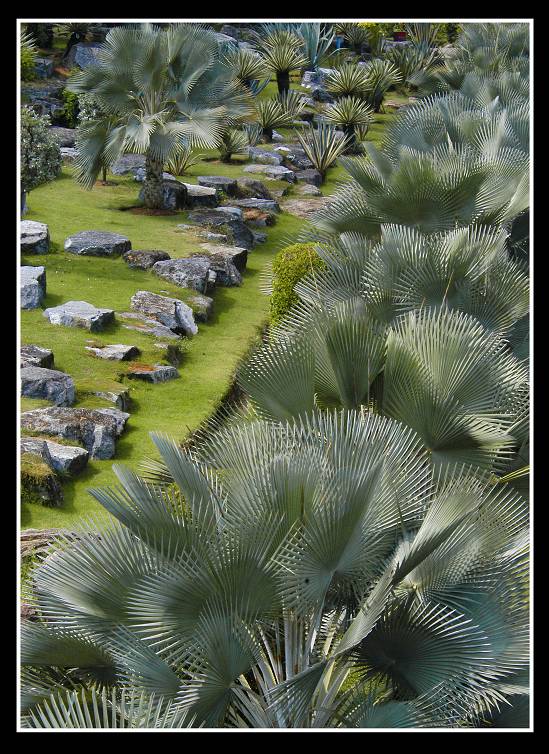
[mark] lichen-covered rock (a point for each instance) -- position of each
(65, 459)
(128, 163)
(174, 194)
(39, 483)
(65, 136)
(220, 220)
(34, 237)
(265, 205)
(34, 356)
(310, 176)
(143, 259)
(276, 172)
(152, 373)
(235, 254)
(32, 287)
(146, 326)
(186, 273)
(249, 188)
(96, 428)
(201, 196)
(221, 183)
(226, 273)
(83, 54)
(115, 352)
(97, 243)
(48, 384)
(69, 154)
(202, 306)
(264, 156)
(170, 312)
(307, 189)
(80, 314)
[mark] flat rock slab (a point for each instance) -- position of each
(140, 174)
(146, 325)
(201, 196)
(170, 312)
(66, 137)
(32, 287)
(275, 172)
(312, 177)
(80, 314)
(232, 212)
(48, 384)
(120, 397)
(66, 459)
(187, 273)
(263, 156)
(307, 189)
(34, 356)
(96, 428)
(128, 163)
(34, 237)
(303, 207)
(115, 352)
(220, 183)
(69, 154)
(236, 254)
(97, 243)
(154, 374)
(202, 306)
(265, 205)
(143, 259)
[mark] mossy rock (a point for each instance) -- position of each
(290, 265)
(39, 484)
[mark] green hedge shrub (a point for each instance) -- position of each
(290, 265)
(28, 69)
(70, 108)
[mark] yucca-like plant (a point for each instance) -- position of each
(311, 574)
(161, 89)
(248, 66)
(411, 60)
(438, 371)
(354, 33)
(278, 112)
(380, 76)
(254, 133)
(233, 141)
(322, 145)
(351, 113)
(347, 80)
(27, 51)
(316, 43)
(183, 160)
(422, 34)
(281, 52)
(435, 191)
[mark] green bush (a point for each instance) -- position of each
(290, 265)
(28, 70)
(39, 484)
(70, 108)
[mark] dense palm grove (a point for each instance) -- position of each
(348, 546)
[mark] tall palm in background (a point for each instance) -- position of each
(161, 90)
(244, 583)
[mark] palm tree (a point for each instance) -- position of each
(281, 52)
(310, 574)
(161, 90)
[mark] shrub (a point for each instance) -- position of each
(28, 55)
(70, 108)
(40, 153)
(290, 265)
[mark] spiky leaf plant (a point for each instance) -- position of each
(355, 34)
(322, 145)
(281, 52)
(380, 76)
(160, 89)
(233, 141)
(248, 65)
(245, 583)
(278, 112)
(351, 113)
(347, 80)
(183, 160)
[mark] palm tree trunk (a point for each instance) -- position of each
(283, 81)
(153, 195)
(349, 131)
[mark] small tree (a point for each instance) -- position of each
(40, 153)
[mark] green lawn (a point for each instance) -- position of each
(210, 359)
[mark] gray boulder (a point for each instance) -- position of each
(222, 266)
(37, 447)
(97, 243)
(307, 189)
(115, 352)
(174, 194)
(264, 156)
(201, 196)
(34, 356)
(260, 237)
(83, 54)
(96, 428)
(34, 237)
(202, 306)
(128, 163)
(120, 396)
(265, 205)
(191, 272)
(65, 136)
(146, 326)
(33, 287)
(39, 483)
(276, 172)
(170, 312)
(310, 176)
(143, 259)
(69, 154)
(249, 188)
(48, 384)
(43, 68)
(220, 220)
(220, 183)
(80, 314)
(233, 213)
(67, 459)
(152, 373)
(235, 254)
(140, 173)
